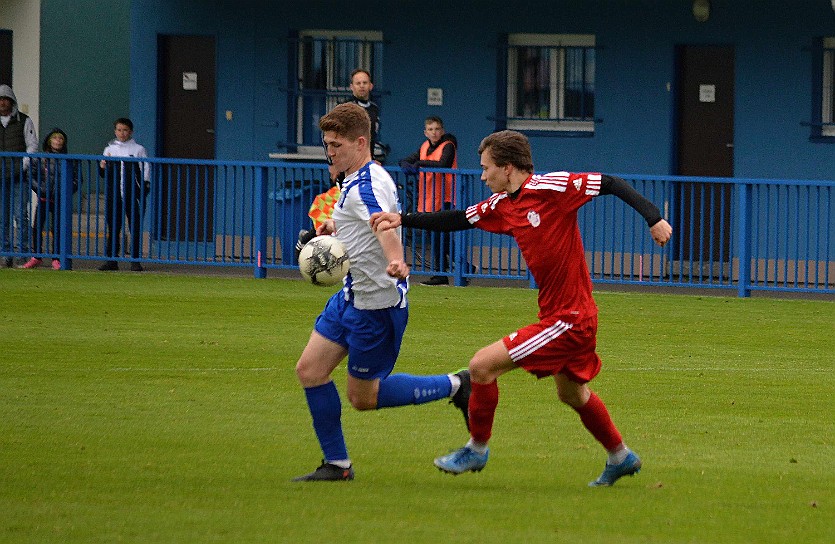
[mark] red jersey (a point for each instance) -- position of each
(542, 217)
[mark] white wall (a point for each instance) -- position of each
(23, 18)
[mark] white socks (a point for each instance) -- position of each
(619, 456)
(477, 446)
(455, 382)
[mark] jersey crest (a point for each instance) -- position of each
(533, 218)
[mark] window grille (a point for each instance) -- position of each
(324, 60)
(550, 82)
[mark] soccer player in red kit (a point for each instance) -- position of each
(540, 212)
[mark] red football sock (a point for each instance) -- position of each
(483, 401)
(596, 419)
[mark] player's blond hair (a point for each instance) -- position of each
(508, 147)
(347, 120)
(433, 119)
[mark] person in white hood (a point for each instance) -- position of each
(126, 191)
(17, 133)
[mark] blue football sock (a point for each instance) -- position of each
(326, 409)
(403, 389)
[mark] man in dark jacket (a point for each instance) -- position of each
(361, 87)
(17, 133)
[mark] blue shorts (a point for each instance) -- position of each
(372, 337)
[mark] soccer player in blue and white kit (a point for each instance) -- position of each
(365, 321)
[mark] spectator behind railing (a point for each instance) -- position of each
(45, 182)
(126, 192)
(17, 133)
(361, 87)
(435, 190)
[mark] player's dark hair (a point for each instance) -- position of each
(123, 121)
(508, 147)
(359, 71)
(348, 120)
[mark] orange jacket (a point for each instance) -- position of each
(435, 189)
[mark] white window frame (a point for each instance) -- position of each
(557, 82)
(828, 87)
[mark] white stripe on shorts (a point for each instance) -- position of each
(534, 343)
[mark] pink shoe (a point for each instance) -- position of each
(32, 263)
(56, 264)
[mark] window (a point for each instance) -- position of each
(324, 60)
(828, 88)
(550, 82)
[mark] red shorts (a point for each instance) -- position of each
(553, 346)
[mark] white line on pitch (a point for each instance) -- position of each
(715, 369)
(163, 369)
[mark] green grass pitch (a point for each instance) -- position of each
(156, 408)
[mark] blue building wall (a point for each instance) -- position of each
(85, 73)
(453, 46)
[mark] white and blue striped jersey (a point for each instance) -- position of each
(368, 190)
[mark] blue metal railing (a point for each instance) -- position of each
(729, 233)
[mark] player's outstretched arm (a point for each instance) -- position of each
(382, 221)
(659, 229)
(441, 221)
(661, 232)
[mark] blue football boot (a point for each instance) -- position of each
(462, 460)
(612, 473)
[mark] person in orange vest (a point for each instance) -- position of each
(435, 190)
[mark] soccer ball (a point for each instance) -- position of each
(324, 261)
